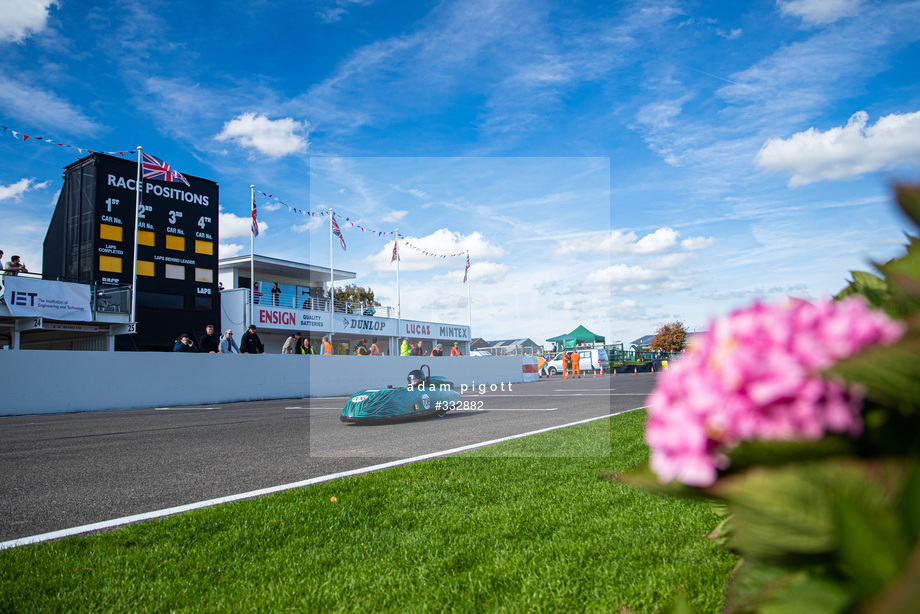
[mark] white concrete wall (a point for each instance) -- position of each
(41, 382)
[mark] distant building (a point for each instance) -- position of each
(480, 344)
(525, 347)
(643, 343)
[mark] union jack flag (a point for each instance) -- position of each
(154, 168)
(255, 222)
(467, 266)
(337, 232)
(395, 253)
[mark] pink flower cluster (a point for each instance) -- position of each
(756, 376)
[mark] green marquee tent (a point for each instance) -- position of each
(579, 335)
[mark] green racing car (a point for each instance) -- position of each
(423, 397)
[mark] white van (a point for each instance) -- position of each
(589, 360)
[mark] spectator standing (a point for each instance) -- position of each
(417, 349)
(293, 344)
(256, 294)
(455, 350)
(14, 267)
(362, 350)
(209, 342)
(276, 295)
(326, 346)
(375, 349)
(185, 344)
(404, 348)
(437, 351)
(306, 348)
(228, 343)
(576, 371)
(250, 342)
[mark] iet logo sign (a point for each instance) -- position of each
(23, 299)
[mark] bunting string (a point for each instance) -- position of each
(20, 136)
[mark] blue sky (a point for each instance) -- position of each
(619, 165)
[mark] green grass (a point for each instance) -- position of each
(506, 528)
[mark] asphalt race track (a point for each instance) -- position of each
(70, 470)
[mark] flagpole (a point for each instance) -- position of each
(137, 208)
(252, 258)
(331, 280)
(469, 300)
(398, 299)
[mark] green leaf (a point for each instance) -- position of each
(643, 477)
(903, 595)
(891, 375)
(910, 504)
(763, 588)
(751, 453)
(908, 198)
(873, 544)
(780, 514)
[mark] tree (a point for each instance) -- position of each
(670, 338)
(356, 294)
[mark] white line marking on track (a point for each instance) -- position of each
(117, 522)
(518, 409)
(181, 408)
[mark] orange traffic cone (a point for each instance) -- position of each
(595, 375)
(614, 372)
(636, 370)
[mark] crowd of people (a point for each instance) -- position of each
(297, 343)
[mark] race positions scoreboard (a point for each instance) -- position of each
(177, 239)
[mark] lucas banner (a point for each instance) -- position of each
(55, 300)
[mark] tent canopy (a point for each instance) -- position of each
(580, 334)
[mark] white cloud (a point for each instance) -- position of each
(733, 34)
(395, 216)
(229, 250)
(619, 243)
(695, 243)
(274, 138)
(232, 225)
(419, 194)
(844, 152)
(22, 18)
(44, 108)
(16, 190)
(312, 223)
(441, 242)
(626, 278)
(820, 12)
(480, 272)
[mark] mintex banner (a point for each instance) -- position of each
(55, 300)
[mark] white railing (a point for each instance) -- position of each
(324, 304)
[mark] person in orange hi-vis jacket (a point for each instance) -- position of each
(566, 364)
(576, 371)
(375, 349)
(455, 351)
(326, 346)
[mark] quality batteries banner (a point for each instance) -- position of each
(55, 300)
